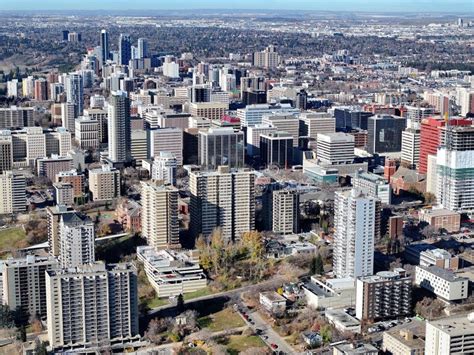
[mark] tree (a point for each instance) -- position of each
(40, 347)
(429, 308)
(104, 230)
(180, 303)
(6, 317)
(429, 198)
(429, 231)
(326, 333)
(317, 265)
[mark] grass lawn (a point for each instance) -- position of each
(225, 319)
(199, 293)
(9, 237)
(239, 343)
(157, 302)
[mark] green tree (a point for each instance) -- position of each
(317, 265)
(40, 347)
(326, 333)
(180, 303)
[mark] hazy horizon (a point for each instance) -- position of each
(429, 6)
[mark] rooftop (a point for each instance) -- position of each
(456, 325)
(444, 274)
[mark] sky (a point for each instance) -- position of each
(466, 6)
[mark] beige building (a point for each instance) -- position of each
(160, 225)
(87, 133)
(64, 193)
(285, 211)
(453, 335)
(12, 192)
(210, 110)
(441, 219)
(92, 307)
(404, 342)
(104, 183)
(167, 140)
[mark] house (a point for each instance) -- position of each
(128, 213)
(312, 339)
(273, 302)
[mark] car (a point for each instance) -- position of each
(274, 346)
(258, 331)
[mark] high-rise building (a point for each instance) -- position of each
(354, 237)
(87, 133)
(222, 199)
(23, 283)
(12, 88)
(268, 58)
(455, 169)
(252, 115)
(76, 240)
(139, 146)
(200, 93)
(104, 46)
(17, 117)
(374, 185)
(74, 178)
(142, 48)
(411, 147)
(221, 146)
(41, 89)
(63, 193)
(430, 137)
(12, 192)
(119, 128)
(54, 214)
(101, 116)
(164, 168)
(28, 86)
(351, 117)
(285, 211)
(253, 138)
(6, 150)
(160, 225)
(284, 122)
(75, 93)
(125, 49)
(312, 123)
(210, 110)
(385, 133)
(276, 149)
(466, 100)
(416, 114)
(68, 116)
(92, 307)
(384, 295)
(104, 183)
(167, 140)
(49, 167)
(335, 148)
(452, 335)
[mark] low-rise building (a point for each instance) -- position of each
(440, 258)
(330, 293)
(441, 219)
(452, 335)
(128, 213)
(347, 348)
(405, 341)
(171, 272)
(273, 302)
(342, 321)
(375, 186)
(443, 283)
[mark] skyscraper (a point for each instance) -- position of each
(355, 224)
(276, 149)
(75, 92)
(125, 49)
(119, 128)
(160, 225)
(221, 146)
(104, 46)
(142, 48)
(224, 199)
(285, 211)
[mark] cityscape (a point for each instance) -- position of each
(246, 178)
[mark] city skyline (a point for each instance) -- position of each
(434, 6)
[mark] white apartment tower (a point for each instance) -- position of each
(12, 192)
(160, 225)
(355, 225)
(222, 199)
(76, 240)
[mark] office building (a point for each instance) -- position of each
(385, 134)
(164, 168)
(252, 115)
(335, 148)
(104, 183)
(351, 117)
(385, 295)
(24, 285)
(169, 140)
(430, 137)
(160, 225)
(221, 146)
(406, 341)
(452, 335)
(87, 133)
(440, 258)
(63, 193)
(416, 114)
(355, 229)
(119, 128)
(373, 185)
(49, 167)
(68, 116)
(92, 308)
(142, 48)
(312, 123)
(76, 240)
(75, 93)
(284, 122)
(276, 149)
(285, 211)
(6, 151)
(210, 110)
(441, 219)
(222, 199)
(101, 116)
(411, 147)
(253, 138)
(171, 272)
(442, 282)
(12, 192)
(17, 117)
(104, 46)
(125, 49)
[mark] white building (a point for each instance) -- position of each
(87, 133)
(330, 293)
(252, 115)
(12, 192)
(411, 147)
(355, 228)
(167, 140)
(253, 137)
(76, 237)
(443, 283)
(92, 308)
(164, 168)
(374, 185)
(12, 88)
(335, 148)
(170, 272)
(452, 335)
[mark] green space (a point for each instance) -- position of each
(238, 343)
(157, 302)
(225, 319)
(206, 291)
(9, 237)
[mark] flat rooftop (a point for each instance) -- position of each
(455, 326)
